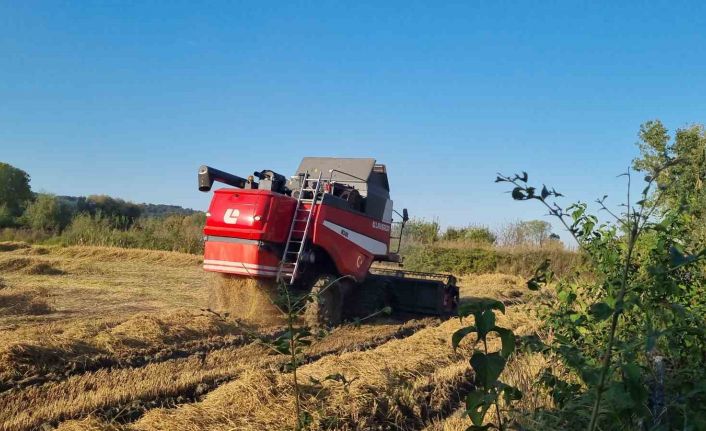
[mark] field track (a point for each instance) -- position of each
(104, 338)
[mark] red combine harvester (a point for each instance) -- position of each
(330, 220)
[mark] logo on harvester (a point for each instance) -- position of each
(231, 216)
(381, 226)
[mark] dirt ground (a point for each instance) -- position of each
(98, 338)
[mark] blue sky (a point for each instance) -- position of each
(129, 98)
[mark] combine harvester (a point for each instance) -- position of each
(320, 230)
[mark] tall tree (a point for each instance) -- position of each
(686, 178)
(47, 213)
(14, 192)
(536, 232)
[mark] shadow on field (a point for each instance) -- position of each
(29, 266)
(23, 303)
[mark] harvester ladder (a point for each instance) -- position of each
(289, 265)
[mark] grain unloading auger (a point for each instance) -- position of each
(332, 219)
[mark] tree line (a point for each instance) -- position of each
(92, 220)
(528, 233)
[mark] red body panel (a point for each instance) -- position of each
(245, 227)
(351, 239)
(247, 259)
(249, 214)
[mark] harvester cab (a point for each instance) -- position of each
(321, 230)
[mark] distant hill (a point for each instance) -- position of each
(145, 210)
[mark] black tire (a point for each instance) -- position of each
(326, 306)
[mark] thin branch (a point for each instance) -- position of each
(605, 208)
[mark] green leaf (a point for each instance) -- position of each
(477, 405)
(460, 334)
(676, 257)
(545, 192)
(508, 340)
(518, 194)
(541, 276)
(487, 367)
(479, 305)
(532, 284)
(601, 311)
(485, 323)
(305, 419)
(511, 393)
(576, 318)
(651, 339)
(632, 377)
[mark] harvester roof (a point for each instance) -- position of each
(346, 169)
(360, 168)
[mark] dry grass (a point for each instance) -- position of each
(83, 344)
(20, 302)
(402, 384)
(63, 304)
(85, 393)
(81, 394)
(89, 423)
(116, 305)
(510, 289)
(248, 299)
(390, 384)
(104, 282)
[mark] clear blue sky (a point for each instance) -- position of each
(129, 98)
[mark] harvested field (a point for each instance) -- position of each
(116, 339)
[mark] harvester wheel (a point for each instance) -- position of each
(326, 308)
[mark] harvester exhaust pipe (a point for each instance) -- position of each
(207, 175)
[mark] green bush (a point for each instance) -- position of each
(454, 260)
(24, 235)
(172, 233)
(6, 216)
(46, 213)
(471, 234)
(420, 231)
(473, 260)
(628, 342)
(14, 193)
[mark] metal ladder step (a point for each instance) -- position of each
(294, 247)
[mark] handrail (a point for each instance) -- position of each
(331, 171)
